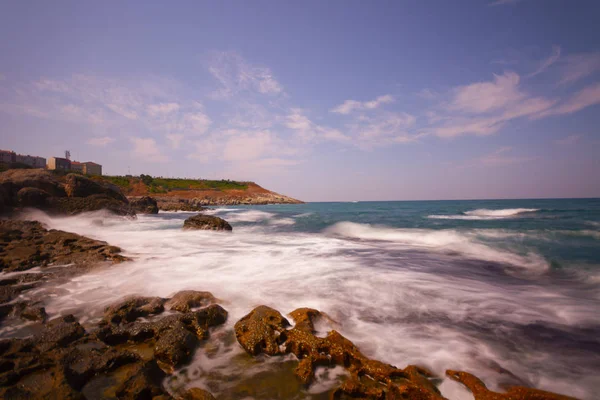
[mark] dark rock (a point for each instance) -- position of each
(32, 197)
(143, 383)
(144, 205)
(82, 186)
(185, 300)
(16, 179)
(58, 333)
(132, 308)
(206, 222)
(96, 202)
(179, 204)
(175, 346)
(262, 331)
(30, 312)
(27, 244)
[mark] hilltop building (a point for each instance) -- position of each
(77, 166)
(9, 157)
(57, 163)
(91, 168)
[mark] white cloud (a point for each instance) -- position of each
(162, 108)
(308, 131)
(236, 75)
(247, 146)
(545, 64)
(586, 97)
(175, 139)
(147, 149)
(482, 97)
(101, 141)
(349, 106)
(483, 108)
(568, 140)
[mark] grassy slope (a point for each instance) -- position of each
(135, 185)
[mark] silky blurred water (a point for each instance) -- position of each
(505, 289)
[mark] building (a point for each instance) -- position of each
(32, 161)
(77, 166)
(58, 163)
(7, 156)
(91, 168)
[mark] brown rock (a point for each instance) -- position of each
(481, 392)
(82, 186)
(197, 394)
(206, 222)
(185, 300)
(263, 330)
(132, 308)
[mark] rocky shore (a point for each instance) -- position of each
(141, 343)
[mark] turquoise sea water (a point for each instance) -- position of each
(506, 289)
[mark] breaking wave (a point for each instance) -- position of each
(485, 214)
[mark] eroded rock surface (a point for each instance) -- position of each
(124, 358)
(206, 222)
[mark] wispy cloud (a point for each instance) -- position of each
(568, 140)
(545, 64)
(503, 156)
(147, 150)
(579, 66)
(101, 141)
(236, 75)
(584, 98)
(349, 106)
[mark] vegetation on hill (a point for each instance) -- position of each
(165, 185)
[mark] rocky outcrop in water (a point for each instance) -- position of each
(71, 194)
(265, 331)
(144, 205)
(123, 358)
(206, 222)
(56, 255)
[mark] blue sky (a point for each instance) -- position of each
(345, 100)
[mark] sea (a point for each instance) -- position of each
(506, 289)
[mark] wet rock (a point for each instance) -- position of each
(132, 308)
(30, 312)
(27, 244)
(178, 204)
(32, 197)
(143, 383)
(481, 392)
(197, 394)
(185, 300)
(96, 202)
(16, 179)
(144, 205)
(206, 222)
(262, 331)
(175, 346)
(59, 332)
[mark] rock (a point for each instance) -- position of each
(96, 202)
(206, 222)
(175, 346)
(32, 197)
(262, 331)
(27, 244)
(83, 364)
(197, 394)
(481, 392)
(143, 205)
(58, 333)
(185, 300)
(15, 179)
(82, 186)
(133, 308)
(178, 204)
(32, 313)
(144, 383)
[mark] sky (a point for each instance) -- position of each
(322, 101)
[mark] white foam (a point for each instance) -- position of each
(485, 214)
(383, 299)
